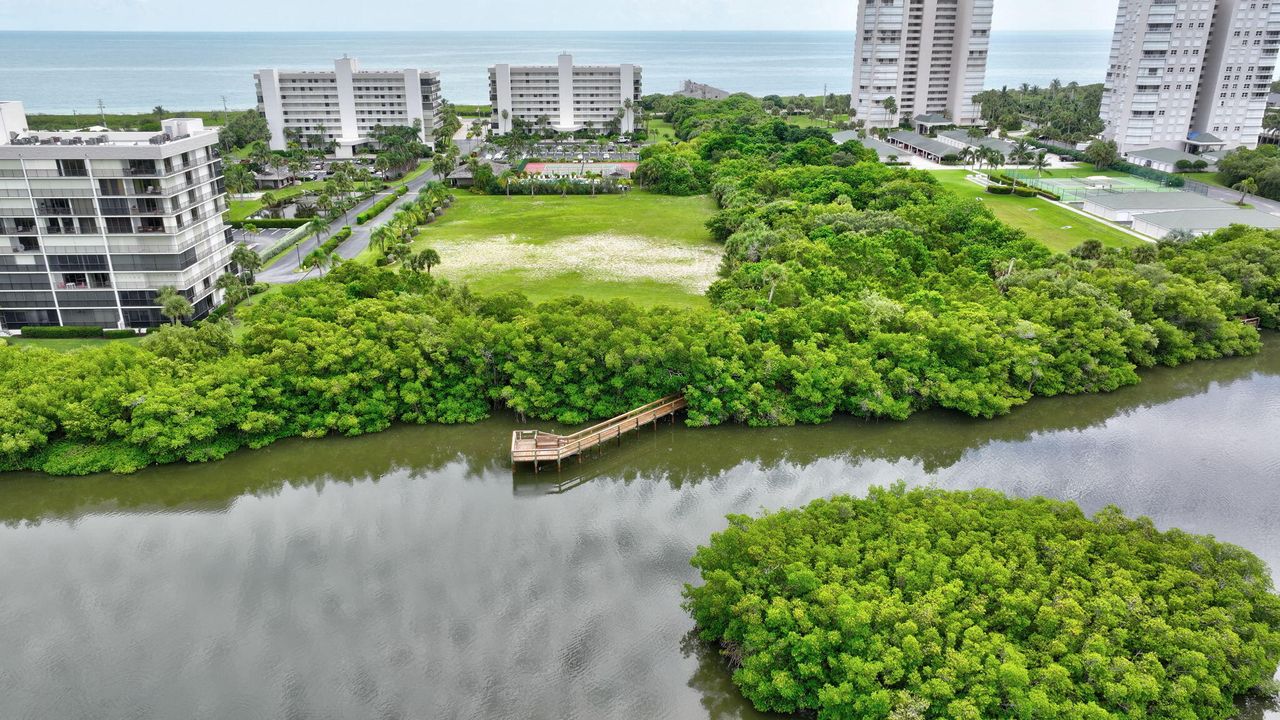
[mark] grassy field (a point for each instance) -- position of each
(649, 248)
(807, 121)
(68, 344)
(1058, 228)
(1208, 178)
(661, 131)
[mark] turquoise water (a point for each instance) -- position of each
(130, 72)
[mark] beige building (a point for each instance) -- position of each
(564, 96)
(343, 105)
(1190, 75)
(930, 56)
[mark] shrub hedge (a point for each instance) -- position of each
(52, 332)
(381, 205)
(119, 334)
(337, 239)
(1023, 191)
(1000, 189)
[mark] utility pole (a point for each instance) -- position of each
(102, 112)
(224, 111)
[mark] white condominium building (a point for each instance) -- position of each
(565, 96)
(930, 56)
(1190, 75)
(93, 224)
(344, 104)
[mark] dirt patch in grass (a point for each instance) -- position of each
(603, 256)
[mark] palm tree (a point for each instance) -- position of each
(324, 203)
(441, 165)
(1040, 162)
(233, 288)
(890, 106)
(319, 259)
(506, 179)
(427, 258)
(247, 259)
(592, 177)
(174, 305)
(968, 156)
(318, 226)
(380, 238)
(239, 180)
(248, 229)
(1245, 187)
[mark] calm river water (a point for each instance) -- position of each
(411, 575)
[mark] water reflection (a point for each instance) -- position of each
(412, 574)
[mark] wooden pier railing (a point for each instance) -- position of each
(532, 446)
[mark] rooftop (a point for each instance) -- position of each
(1157, 201)
(171, 130)
(984, 141)
(933, 119)
(920, 142)
(1163, 155)
(1208, 220)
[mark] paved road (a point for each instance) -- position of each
(286, 270)
(1231, 196)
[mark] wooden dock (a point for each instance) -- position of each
(533, 446)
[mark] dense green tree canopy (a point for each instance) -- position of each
(975, 606)
(846, 286)
(1261, 165)
(1067, 112)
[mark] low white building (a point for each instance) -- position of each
(1159, 158)
(1202, 222)
(93, 224)
(343, 105)
(1125, 207)
(565, 97)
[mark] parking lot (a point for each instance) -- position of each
(264, 239)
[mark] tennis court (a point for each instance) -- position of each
(578, 169)
(1074, 189)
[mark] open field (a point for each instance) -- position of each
(649, 248)
(68, 344)
(661, 130)
(807, 121)
(1058, 228)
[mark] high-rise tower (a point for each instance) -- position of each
(930, 56)
(1191, 75)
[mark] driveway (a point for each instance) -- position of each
(1231, 196)
(286, 269)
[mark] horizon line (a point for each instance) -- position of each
(494, 32)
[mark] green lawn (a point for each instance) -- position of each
(68, 344)
(1058, 228)
(807, 121)
(1208, 178)
(661, 131)
(652, 249)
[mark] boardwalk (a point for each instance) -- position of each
(532, 446)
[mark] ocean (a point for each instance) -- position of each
(62, 72)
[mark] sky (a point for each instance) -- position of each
(162, 15)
